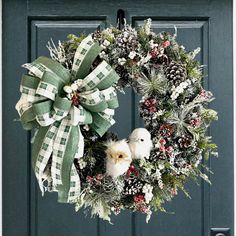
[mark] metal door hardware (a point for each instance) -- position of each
(120, 18)
(220, 232)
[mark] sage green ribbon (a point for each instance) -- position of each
(43, 105)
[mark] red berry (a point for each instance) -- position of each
(162, 141)
(196, 122)
(152, 109)
(169, 149)
(75, 100)
(89, 179)
(132, 168)
(150, 104)
(99, 176)
(139, 198)
(162, 148)
(153, 101)
(166, 44)
(147, 103)
(154, 52)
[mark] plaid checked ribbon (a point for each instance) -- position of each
(43, 106)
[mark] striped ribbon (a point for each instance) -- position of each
(43, 106)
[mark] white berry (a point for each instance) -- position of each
(68, 89)
(106, 43)
(79, 82)
(74, 87)
(132, 55)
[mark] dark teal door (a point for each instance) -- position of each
(27, 26)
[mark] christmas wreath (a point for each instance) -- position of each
(69, 101)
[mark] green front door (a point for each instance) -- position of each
(28, 26)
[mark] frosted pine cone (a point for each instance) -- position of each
(176, 72)
(132, 186)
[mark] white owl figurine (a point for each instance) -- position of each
(140, 143)
(118, 158)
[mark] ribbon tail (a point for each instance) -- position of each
(41, 152)
(75, 186)
(69, 176)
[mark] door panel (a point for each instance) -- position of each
(28, 26)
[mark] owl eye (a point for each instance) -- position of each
(120, 156)
(141, 140)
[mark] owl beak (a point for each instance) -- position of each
(116, 160)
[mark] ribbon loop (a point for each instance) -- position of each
(102, 77)
(85, 54)
(61, 107)
(55, 67)
(80, 116)
(42, 112)
(93, 101)
(110, 97)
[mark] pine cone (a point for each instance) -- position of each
(132, 186)
(176, 72)
(166, 130)
(97, 35)
(108, 184)
(185, 141)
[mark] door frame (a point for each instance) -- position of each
(1, 118)
(234, 103)
(234, 112)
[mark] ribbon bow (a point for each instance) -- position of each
(43, 105)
